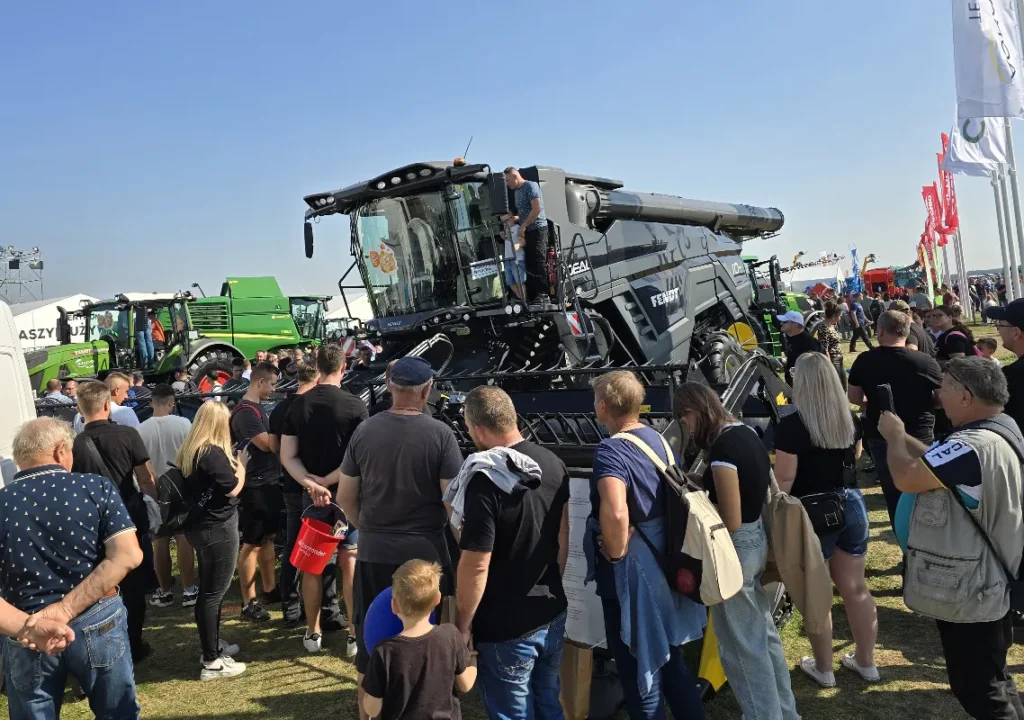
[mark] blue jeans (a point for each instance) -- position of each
(144, 341)
(748, 642)
(673, 679)
(518, 679)
(99, 659)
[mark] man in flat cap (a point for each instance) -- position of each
(396, 469)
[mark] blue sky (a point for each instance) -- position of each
(146, 147)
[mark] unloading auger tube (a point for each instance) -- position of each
(590, 205)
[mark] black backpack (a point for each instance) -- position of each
(177, 511)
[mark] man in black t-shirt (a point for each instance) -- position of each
(1009, 322)
(514, 548)
(914, 378)
(118, 453)
(317, 431)
(798, 340)
(291, 608)
(261, 500)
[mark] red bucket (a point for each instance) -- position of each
(314, 546)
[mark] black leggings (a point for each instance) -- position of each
(216, 549)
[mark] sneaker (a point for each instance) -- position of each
(255, 612)
(222, 667)
(869, 674)
(312, 642)
(351, 647)
(190, 596)
(274, 596)
(825, 679)
(161, 599)
(227, 648)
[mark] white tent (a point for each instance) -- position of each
(802, 279)
(37, 321)
(359, 306)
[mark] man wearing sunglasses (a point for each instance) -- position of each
(1009, 321)
(965, 533)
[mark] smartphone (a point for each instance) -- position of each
(242, 445)
(885, 403)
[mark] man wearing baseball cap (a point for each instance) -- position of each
(1009, 321)
(798, 340)
(918, 338)
(396, 468)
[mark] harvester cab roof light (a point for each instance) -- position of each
(517, 308)
(466, 316)
(426, 172)
(508, 309)
(459, 162)
(381, 185)
(395, 180)
(410, 176)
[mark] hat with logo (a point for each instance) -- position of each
(1012, 314)
(411, 371)
(792, 316)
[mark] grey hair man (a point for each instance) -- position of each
(975, 547)
(89, 547)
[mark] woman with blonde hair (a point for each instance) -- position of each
(214, 475)
(815, 451)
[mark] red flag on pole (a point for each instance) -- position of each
(950, 219)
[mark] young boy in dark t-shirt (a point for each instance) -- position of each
(415, 673)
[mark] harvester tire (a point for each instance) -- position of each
(722, 358)
(213, 359)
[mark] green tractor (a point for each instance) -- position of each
(202, 334)
(768, 301)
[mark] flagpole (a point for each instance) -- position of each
(947, 276)
(1002, 235)
(1010, 279)
(965, 288)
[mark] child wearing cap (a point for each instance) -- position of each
(415, 673)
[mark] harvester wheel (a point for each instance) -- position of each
(213, 359)
(750, 333)
(723, 357)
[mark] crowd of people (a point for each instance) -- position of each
(481, 542)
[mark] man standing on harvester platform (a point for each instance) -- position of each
(533, 233)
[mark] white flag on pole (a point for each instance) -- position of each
(988, 59)
(976, 147)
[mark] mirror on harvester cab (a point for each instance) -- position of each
(498, 191)
(63, 327)
(307, 235)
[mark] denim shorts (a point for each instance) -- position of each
(512, 269)
(852, 539)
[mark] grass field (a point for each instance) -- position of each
(284, 682)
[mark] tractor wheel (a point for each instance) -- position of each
(213, 359)
(722, 358)
(813, 322)
(751, 333)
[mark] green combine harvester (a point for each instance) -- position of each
(202, 334)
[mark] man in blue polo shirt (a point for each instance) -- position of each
(533, 234)
(69, 541)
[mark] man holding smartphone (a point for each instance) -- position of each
(913, 378)
(261, 498)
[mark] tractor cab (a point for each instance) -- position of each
(308, 316)
(118, 322)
